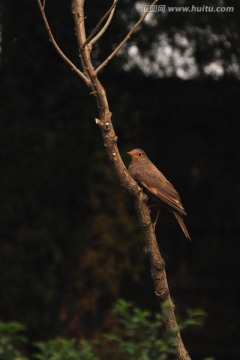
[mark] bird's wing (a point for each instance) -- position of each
(156, 183)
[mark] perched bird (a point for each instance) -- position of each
(145, 173)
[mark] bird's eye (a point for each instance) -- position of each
(139, 154)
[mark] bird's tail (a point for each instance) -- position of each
(181, 223)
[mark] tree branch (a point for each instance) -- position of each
(158, 274)
(106, 61)
(92, 39)
(110, 142)
(157, 264)
(97, 88)
(57, 48)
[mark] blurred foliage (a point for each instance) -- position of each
(140, 335)
(192, 39)
(137, 334)
(10, 339)
(65, 349)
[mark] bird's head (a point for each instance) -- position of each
(137, 155)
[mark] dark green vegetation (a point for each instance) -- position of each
(70, 244)
(135, 334)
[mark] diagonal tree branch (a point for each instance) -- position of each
(110, 142)
(91, 40)
(106, 61)
(57, 48)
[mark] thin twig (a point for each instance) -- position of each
(101, 32)
(57, 48)
(105, 62)
(85, 54)
(81, 20)
(90, 37)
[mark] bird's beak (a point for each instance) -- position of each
(131, 153)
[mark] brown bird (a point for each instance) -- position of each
(145, 173)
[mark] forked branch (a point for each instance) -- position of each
(118, 48)
(56, 46)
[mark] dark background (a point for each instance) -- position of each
(70, 242)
